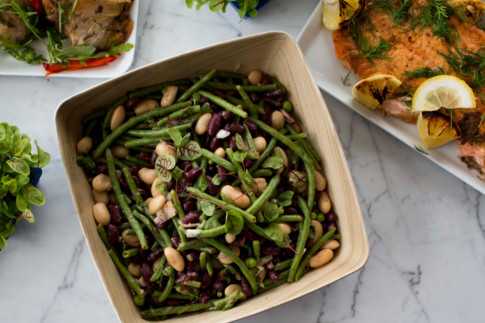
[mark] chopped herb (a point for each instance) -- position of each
(345, 80)
(435, 14)
(408, 102)
(426, 72)
(399, 14)
(482, 97)
(481, 121)
(421, 150)
(468, 64)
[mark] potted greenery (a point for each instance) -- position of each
(245, 8)
(20, 170)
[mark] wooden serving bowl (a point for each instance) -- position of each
(275, 53)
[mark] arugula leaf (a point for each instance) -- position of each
(234, 223)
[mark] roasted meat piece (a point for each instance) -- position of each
(96, 23)
(12, 27)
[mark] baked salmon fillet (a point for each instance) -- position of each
(388, 38)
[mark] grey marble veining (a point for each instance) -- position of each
(426, 228)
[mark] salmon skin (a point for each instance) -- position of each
(410, 46)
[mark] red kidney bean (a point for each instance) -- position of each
(151, 288)
(232, 143)
(218, 285)
(248, 163)
(203, 100)
(245, 286)
(204, 297)
(138, 182)
(273, 275)
(267, 116)
(192, 266)
(214, 124)
(206, 280)
(215, 143)
(144, 193)
(191, 217)
(226, 115)
(99, 169)
(153, 302)
(211, 169)
(227, 127)
(213, 189)
(115, 212)
(131, 103)
(266, 79)
(251, 126)
(174, 302)
(194, 173)
(274, 102)
(222, 95)
(189, 206)
(236, 128)
(124, 183)
(273, 251)
(144, 253)
(162, 225)
(223, 173)
(146, 271)
(291, 210)
(239, 241)
(330, 226)
(113, 233)
(269, 265)
(134, 170)
(175, 242)
(330, 217)
(155, 254)
(278, 93)
(185, 164)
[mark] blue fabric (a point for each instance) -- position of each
(236, 6)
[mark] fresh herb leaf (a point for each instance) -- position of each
(273, 162)
(421, 150)
(425, 72)
(273, 231)
(271, 212)
(234, 223)
(345, 80)
(468, 64)
(191, 151)
(286, 198)
(207, 207)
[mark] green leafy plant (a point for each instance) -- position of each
(246, 6)
(17, 194)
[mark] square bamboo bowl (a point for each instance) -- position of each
(275, 53)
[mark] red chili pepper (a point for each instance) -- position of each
(37, 6)
(77, 65)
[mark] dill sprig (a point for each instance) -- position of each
(420, 149)
(367, 49)
(425, 72)
(468, 64)
(346, 80)
(399, 13)
(435, 14)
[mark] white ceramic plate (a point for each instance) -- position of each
(317, 46)
(10, 66)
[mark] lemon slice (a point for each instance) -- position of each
(373, 90)
(471, 10)
(443, 91)
(334, 12)
(435, 129)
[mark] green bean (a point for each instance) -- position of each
(219, 160)
(278, 84)
(109, 114)
(236, 260)
(176, 203)
(202, 260)
(306, 147)
(309, 254)
(223, 103)
(94, 116)
(269, 284)
(302, 237)
(247, 88)
(132, 186)
(124, 206)
(159, 132)
(289, 218)
(211, 233)
(180, 231)
(297, 136)
(247, 216)
(282, 265)
(138, 162)
(194, 244)
(134, 121)
(130, 252)
(125, 225)
(126, 274)
(196, 86)
(158, 271)
(202, 180)
(208, 266)
(256, 249)
(265, 195)
(250, 140)
(233, 271)
(192, 283)
(180, 296)
(104, 236)
(253, 109)
(262, 173)
(160, 235)
(337, 236)
(257, 229)
(168, 287)
(144, 141)
(170, 310)
(178, 114)
(268, 150)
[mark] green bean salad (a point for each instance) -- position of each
(206, 191)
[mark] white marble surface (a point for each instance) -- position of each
(426, 228)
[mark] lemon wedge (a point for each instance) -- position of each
(334, 12)
(435, 129)
(471, 10)
(373, 90)
(443, 91)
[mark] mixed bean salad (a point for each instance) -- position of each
(206, 191)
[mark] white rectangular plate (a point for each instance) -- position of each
(316, 43)
(10, 66)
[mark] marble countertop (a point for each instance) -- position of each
(426, 228)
